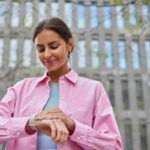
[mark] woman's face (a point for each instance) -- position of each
(52, 50)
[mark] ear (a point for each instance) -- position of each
(70, 45)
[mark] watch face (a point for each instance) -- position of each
(32, 123)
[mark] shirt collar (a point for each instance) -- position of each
(71, 76)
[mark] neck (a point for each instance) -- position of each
(54, 75)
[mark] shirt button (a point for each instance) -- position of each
(17, 133)
(62, 82)
(62, 98)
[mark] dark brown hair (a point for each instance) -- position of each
(55, 24)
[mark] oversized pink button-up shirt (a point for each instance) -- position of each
(83, 99)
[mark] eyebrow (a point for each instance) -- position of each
(48, 43)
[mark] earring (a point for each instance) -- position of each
(69, 53)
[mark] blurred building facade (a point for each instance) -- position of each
(112, 46)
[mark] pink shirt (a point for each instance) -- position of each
(83, 99)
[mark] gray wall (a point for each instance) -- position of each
(133, 120)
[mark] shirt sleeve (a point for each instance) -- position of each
(104, 133)
(10, 127)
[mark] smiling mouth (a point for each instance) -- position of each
(48, 63)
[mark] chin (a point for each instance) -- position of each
(51, 69)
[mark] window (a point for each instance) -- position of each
(139, 93)
(111, 91)
(122, 54)
(81, 15)
(132, 14)
(143, 135)
(135, 54)
(128, 135)
(28, 14)
(15, 14)
(120, 20)
(107, 16)
(2, 13)
(108, 54)
(125, 94)
(42, 10)
(68, 13)
(27, 46)
(81, 54)
(13, 53)
(147, 49)
(95, 53)
(145, 12)
(54, 8)
(1, 51)
(94, 15)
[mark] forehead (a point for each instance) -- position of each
(46, 36)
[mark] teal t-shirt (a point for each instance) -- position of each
(43, 141)
(53, 101)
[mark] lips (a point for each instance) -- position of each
(50, 62)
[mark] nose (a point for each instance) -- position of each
(48, 53)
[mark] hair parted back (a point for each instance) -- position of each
(55, 24)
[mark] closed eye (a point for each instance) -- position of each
(40, 48)
(53, 45)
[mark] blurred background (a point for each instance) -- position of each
(112, 45)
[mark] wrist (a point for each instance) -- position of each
(32, 123)
(28, 128)
(71, 126)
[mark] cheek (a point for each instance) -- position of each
(40, 56)
(62, 53)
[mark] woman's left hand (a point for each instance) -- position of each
(57, 114)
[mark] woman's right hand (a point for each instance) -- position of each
(54, 128)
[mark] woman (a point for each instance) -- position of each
(59, 110)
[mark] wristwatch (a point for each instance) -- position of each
(32, 123)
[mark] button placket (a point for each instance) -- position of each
(62, 82)
(62, 98)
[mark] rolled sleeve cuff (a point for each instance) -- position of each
(17, 128)
(81, 132)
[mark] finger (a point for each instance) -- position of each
(45, 114)
(55, 116)
(41, 114)
(61, 132)
(65, 134)
(53, 129)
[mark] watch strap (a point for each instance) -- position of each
(32, 123)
